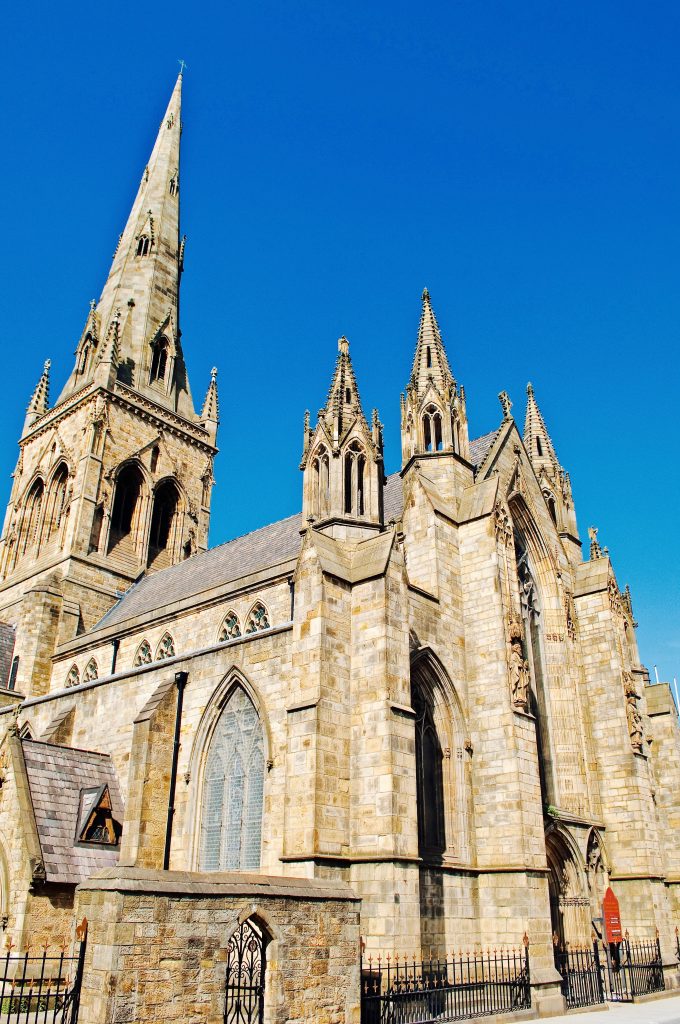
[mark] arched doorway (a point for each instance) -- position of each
(246, 969)
(569, 901)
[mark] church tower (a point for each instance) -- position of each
(433, 416)
(554, 481)
(342, 461)
(113, 480)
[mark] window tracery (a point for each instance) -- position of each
(143, 245)
(321, 483)
(355, 466)
(230, 629)
(91, 671)
(432, 429)
(166, 648)
(233, 785)
(73, 677)
(159, 360)
(258, 619)
(143, 655)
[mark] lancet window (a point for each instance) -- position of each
(159, 360)
(57, 501)
(258, 619)
(126, 505)
(143, 655)
(32, 517)
(166, 648)
(163, 520)
(143, 245)
(73, 677)
(230, 628)
(355, 471)
(321, 483)
(85, 354)
(233, 785)
(432, 429)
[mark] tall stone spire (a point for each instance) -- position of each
(433, 415)
(210, 413)
(537, 439)
(40, 398)
(142, 288)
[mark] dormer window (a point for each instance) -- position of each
(143, 245)
(159, 360)
(95, 818)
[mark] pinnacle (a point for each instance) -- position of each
(39, 402)
(430, 363)
(210, 409)
(536, 437)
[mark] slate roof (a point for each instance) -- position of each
(56, 776)
(262, 549)
(7, 637)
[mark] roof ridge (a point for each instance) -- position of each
(63, 746)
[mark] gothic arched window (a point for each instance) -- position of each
(163, 518)
(57, 501)
(159, 360)
(233, 784)
(320, 482)
(258, 619)
(126, 505)
(230, 629)
(85, 354)
(73, 677)
(429, 778)
(355, 467)
(91, 671)
(166, 648)
(32, 517)
(432, 429)
(143, 245)
(143, 655)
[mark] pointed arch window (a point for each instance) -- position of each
(230, 629)
(428, 358)
(91, 671)
(166, 648)
(539, 446)
(163, 523)
(143, 245)
(429, 779)
(85, 352)
(73, 677)
(126, 505)
(354, 471)
(57, 502)
(32, 517)
(143, 655)
(432, 429)
(233, 786)
(258, 619)
(159, 360)
(321, 483)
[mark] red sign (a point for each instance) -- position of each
(612, 917)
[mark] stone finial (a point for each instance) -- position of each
(506, 404)
(343, 346)
(595, 549)
(426, 295)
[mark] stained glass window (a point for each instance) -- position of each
(231, 826)
(91, 671)
(231, 628)
(73, 677)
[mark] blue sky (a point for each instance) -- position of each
(520, 159)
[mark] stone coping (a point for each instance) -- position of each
(216, 884)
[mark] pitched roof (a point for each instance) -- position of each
(7, 637)
(262, 549)
(56, 777)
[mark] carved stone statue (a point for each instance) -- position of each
(519, 676)
(634, 722)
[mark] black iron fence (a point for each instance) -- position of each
(581, 970)
(42, 988)
(617, 972)
(472, 984)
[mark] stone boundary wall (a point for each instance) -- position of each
(157, 946)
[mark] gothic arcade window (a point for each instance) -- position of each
(32, 517)
(73, 677)
(320, 483)
(230, 629)
(165, 503)
(143, 655)
(432, 429)
(125, 504)
(429, 778)
(258, 619)
(166, 648)
(57, 502)
(143, 245)
(355, 469)
(233, 784)
(159, 360)
(91, 671)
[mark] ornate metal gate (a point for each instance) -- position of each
(246, 964)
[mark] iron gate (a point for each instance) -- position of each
(43, 988)
(632, 969)
(246, 965)
(581, 971)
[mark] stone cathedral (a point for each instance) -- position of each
(412, 716)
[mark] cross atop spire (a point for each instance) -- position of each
(430, 363)
(143, 283)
